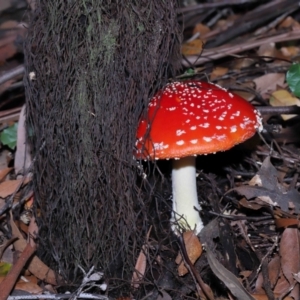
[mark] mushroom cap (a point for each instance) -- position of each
(193, 117)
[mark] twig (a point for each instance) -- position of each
(204, 288)
(19, 70)
(11, 278)
(57, 297)
(275, 244)
(220, 52)
(89, 281)
(204, 6)
(278, 110)
(235, 218)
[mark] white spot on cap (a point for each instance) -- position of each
(160, 146)
(180, 143)
(193, 128)
(180, 132)
(219, 127)
(233, 129)
(204, 125)
(220, 137)
(258, 121)
(194, 141)
(207, 139)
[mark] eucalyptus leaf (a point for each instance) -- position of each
(8, 136)
(293, 79)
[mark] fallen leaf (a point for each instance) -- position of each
(290, 51)
(36, 266)
(290, 253)
(284, 222)
(284, 98)
(268, 83)
(265, 297)
(229, 279)
(289, 22)
(140, 268)
(4, 173)
(29, 287)
(22, 157)
(270, 191)
(254, 205)
(268, 49)
(141, 263)
(273, 272)
(192, 48)
(218, 72)
(201, 29)
(193, 248)
(8, 187)
(4, 268)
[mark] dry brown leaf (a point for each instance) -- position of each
(218, 72)
(290, 253)
(193, 248)
(273, 271)
(265, 297)
(228, 278)
(36, 266)
(268, 49)
(201, 29)
(140, 268)
(22, 157)
(192, 48)
(8, 187)
(4, 173)
(284, 98)
(141, 263)
(248, 95)
(289, 52)
(284, 222)
(268, 83)
(289, 22)
(241, 63)
(255, 205)
(27, 284)
(29, 287)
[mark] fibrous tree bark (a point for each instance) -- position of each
(95, 65)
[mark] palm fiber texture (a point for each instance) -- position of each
(95, 65)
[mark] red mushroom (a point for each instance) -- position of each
(189, 118)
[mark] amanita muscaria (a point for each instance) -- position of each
(188, 118)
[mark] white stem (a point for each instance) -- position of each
(185, 193)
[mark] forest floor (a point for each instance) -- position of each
(249, 47)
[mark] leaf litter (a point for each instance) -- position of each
(250, 196)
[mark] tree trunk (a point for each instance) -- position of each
(96, 63)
